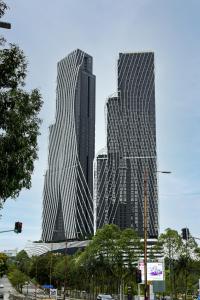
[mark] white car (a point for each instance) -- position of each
(104, 297)
(1, 286)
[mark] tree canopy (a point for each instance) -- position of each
(111, 256)
(3, 263)
(19, 121)
(18, 279)
(109, 261)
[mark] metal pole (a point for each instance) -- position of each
(186, 265)
(50, 271)
(138, 291)
(120, 290)
(36, 279)
(199, 288)
(145, 236)
(170, 270)
(65, 269)
(7, 231)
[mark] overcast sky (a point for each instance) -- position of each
(48, 30)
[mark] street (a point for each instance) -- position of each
(7, 287)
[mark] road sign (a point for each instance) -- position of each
(53, 293)
(159, 286)
(155, 270)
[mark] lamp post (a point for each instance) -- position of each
(145, 235)
(145, 230)
(50, 270)
(145, 215)
(36, 273)
(65, 271)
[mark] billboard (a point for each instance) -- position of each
(155, 271)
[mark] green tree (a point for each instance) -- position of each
(18, 279)
(41, 268)
(97, 259)
(23, 262)
(3, 263)
(172, 245)
(180, 257)
(19, 121)
(63, 271)
(110, 257)
(184, 265)
(3, 7)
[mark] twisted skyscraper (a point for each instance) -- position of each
(67, 202)
(131, 149)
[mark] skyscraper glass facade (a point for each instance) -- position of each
(131, 147)
(68, 187)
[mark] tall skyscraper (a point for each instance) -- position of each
(68, 187)
(131, 146)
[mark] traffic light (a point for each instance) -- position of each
(5, 25)
(138, 276)
(185, 234)
(18, 227)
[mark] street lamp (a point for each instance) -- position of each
(145, 229)
(65, 275)
(36, 274)
(145, 215)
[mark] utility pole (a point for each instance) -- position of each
(36, 272)
(65, 277)
(186, 262)
(50, 270)
(145, 235)
(146, 293)
(170, 270)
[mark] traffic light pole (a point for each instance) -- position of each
(17, 229)
(7, 231)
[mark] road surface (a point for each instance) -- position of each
(7, 287)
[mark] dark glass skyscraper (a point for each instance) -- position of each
(68, 200)
(131, 146)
